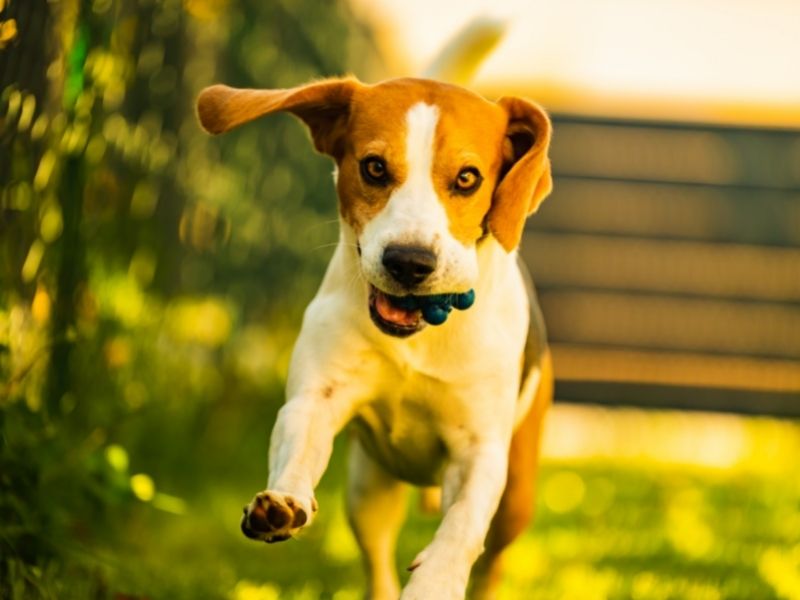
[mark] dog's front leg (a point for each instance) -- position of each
(301, 445)
(331, 373)
(472, 487)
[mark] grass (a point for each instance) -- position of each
(622, 525)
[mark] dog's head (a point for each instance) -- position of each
(425, 171)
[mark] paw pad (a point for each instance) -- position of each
(273, 517)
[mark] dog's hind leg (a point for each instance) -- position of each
(519, 497)
(376, 507)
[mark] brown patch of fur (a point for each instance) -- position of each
(528, 180)
(470, 133)
(322, 105)
(376, 127)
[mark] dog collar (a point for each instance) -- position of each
(436, 307)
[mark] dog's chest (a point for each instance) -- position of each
(403, 431)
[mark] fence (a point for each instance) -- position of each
(668, 265)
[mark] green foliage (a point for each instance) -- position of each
(151, 278)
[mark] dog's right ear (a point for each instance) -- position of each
(323, 105)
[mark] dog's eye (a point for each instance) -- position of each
(468, 180)
(374, 171)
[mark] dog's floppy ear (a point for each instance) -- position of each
(323, 105)
(525, 179)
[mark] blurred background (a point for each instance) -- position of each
(152, 281)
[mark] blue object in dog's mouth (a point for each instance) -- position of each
(434, 308)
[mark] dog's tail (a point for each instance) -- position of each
(461, 58)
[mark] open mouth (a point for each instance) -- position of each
(403, 315)
(391, 318)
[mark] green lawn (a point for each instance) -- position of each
(605, 528)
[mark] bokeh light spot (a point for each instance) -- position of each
(564, 491)
(117, 457)
(143, 487)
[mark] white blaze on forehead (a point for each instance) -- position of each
(414, 210)
(421, 121)
(414, 214)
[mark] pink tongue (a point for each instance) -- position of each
(391, 313)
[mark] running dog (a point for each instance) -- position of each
(434, 185)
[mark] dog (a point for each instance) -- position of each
(434, 186)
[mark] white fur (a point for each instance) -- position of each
(436, 408)
(414, 216)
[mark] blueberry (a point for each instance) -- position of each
(465, 300)
(435, 314)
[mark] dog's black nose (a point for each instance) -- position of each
(409, 265)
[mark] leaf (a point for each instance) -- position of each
(8, 31)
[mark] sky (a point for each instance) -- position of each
(723, 60)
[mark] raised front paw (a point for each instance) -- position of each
(275, 517)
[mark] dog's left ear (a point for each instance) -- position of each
(525, 178)
(323, 105)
